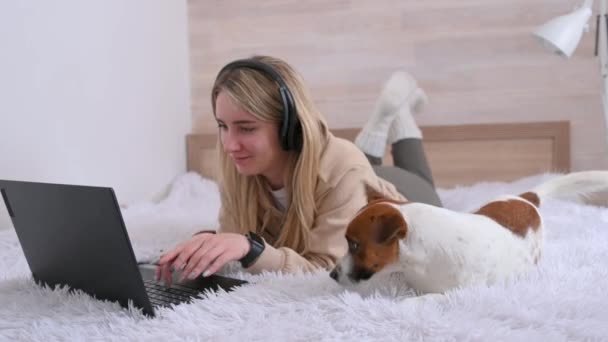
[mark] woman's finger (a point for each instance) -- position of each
(166, 270)
(218, 263)
(160, 267)
(190, 248)
(205, 261)
(202, 251)
(167, 257)
(170, 255)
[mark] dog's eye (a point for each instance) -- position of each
(353, 246)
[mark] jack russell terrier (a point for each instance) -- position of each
(437, 249)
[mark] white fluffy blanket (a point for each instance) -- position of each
(563, 300)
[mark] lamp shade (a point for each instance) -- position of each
(562, 34)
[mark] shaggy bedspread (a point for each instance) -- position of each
(564, 299)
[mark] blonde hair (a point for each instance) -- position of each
(247, 200)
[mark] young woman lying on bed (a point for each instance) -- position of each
(288, 186)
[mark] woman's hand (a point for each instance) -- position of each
(203, 253)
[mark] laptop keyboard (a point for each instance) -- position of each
(161, 295)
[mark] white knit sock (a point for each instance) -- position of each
(417, 100)
(404, 126)
(373, 136)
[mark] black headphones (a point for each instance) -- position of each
(290, 133)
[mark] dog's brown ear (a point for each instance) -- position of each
(390, 226)
(372, 195)
(376, 196)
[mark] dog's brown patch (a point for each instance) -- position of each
(515, 215)
(532, 197)
(376, 231)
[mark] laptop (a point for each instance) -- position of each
(75, 235)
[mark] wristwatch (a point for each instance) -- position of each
(257, 245)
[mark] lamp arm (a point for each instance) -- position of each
(603, 54)
(603, 44)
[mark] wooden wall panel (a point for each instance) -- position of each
(476, 59)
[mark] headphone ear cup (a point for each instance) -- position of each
(297, 138)
(291, 129)
(285, 131)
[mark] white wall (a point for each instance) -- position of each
(94, 92)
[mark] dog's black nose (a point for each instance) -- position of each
(334, 274)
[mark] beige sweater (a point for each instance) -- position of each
(340, 193)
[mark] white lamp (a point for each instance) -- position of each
(562, 35)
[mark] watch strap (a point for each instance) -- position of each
(256, 247)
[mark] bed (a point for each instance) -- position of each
(458, 155)
(563, 300)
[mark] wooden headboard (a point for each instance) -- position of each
(458, 155)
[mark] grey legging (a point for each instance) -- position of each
(411, 174)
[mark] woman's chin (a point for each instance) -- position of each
(245, 171)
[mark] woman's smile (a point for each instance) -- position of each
(241, 160)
